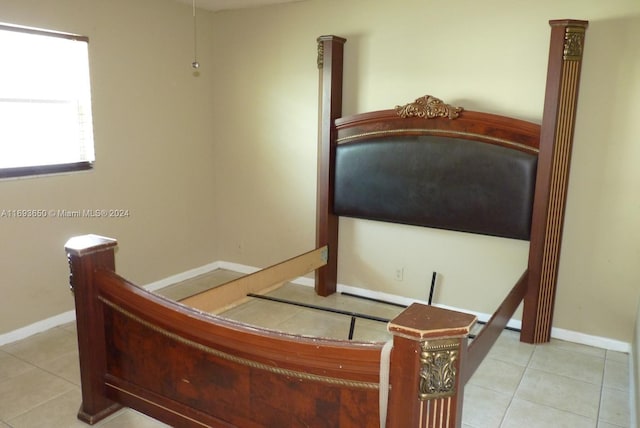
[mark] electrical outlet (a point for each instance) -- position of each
(399, 273)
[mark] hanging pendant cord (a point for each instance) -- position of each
(195, 63)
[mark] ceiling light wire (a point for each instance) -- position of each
(195, 64)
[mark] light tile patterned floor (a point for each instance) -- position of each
(559, 384)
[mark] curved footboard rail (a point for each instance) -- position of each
(189, 368)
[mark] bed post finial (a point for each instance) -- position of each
(86, 254)
(556, 140)
(330, 58)
(427, 364)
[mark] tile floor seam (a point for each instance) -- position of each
(56, 375)
(562, 375)
(528, 366)
(602, 390)
(574, 380)
(600, 403)
(506, 411)
(604, 370)
(615, 387)
(596, 420)
(513, 395)
(36, 366)
(52, 397)
(33, 363)
(10, 378)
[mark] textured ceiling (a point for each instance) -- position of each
(215, 5)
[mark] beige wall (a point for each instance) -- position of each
(153, 140)
(222, 166)
(482, 55)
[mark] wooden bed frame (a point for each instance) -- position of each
(179, 363)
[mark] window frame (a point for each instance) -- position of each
(37, 170)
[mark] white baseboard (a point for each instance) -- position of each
(589, 340)
(67, 317)
(37, 327)
(633, 398)
(557, 333)
(191, 273)
(235, 267)
(400, 300)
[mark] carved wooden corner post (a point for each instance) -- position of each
(330, 58)
(429, 349)
(556, 140)
(86, 254)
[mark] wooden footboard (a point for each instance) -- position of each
(189, 368)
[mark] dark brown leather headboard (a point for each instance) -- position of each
(435, 181)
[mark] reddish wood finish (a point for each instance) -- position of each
(552, 141)
(556, 140)
(482, 344)
(86, 254)
(418, 331)
(189, 369)
(470, 125)
(330, 56)
(212, 369)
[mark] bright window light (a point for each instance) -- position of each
(45, 102)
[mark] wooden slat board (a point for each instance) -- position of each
(234, 292)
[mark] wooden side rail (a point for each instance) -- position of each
(482, 344)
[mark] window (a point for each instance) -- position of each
(45, 102)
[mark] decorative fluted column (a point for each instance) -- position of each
(556, 140)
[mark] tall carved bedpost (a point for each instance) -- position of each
(427, 385)
(556, 139)
(330, 56)
(86, 254)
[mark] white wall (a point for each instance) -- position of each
(154, 155)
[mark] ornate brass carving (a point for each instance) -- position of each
(428, 107)
(438, 369)
(573, 43)
(320, 54)
(70, 273)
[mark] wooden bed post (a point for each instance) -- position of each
(86, 254)
(556, 139)
(330, 56)
(429, 349)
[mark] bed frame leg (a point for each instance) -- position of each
(429, 350)
(86, 254)
(556, 140)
